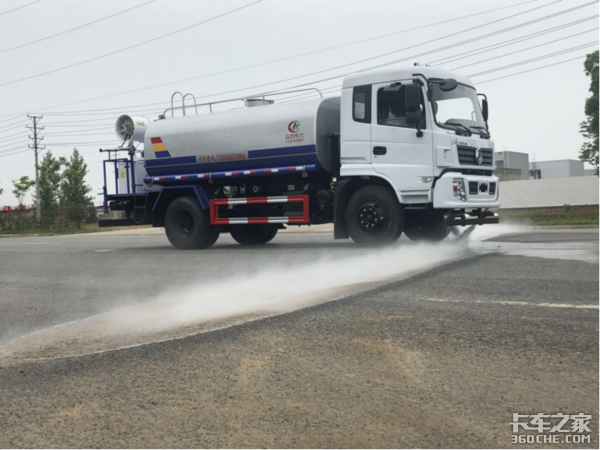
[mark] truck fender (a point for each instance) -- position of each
(202, 194)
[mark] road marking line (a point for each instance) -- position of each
(514, 303)
(106, 250)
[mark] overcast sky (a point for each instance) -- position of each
(537, 112)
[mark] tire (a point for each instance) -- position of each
(253, 234)
(374, 217)
(431, 228)
(188, 225)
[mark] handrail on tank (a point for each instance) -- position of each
(210, 104)
(195, 102)
(172, 105)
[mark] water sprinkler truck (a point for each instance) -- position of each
(401, 150)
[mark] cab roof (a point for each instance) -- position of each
(398, 72)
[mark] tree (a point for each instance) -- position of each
(75, 198)
(589, 127)
(50, 184)
(21, 187)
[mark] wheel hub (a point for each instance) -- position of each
(372, 218)
(183, 224)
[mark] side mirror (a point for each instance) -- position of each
(449, 84)
(412, 98)
(413, 118)
(484, 109)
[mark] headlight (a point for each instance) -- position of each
(458, 186)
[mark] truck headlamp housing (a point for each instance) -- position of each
(458, 186)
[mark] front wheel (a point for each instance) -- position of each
(374, 217)
(253, 234)
(188, 225)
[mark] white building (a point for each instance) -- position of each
(560, 168)
(511, 166)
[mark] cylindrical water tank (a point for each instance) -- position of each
(279, 135)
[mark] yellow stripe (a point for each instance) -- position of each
(159, 147)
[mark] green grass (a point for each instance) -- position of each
(566, 215)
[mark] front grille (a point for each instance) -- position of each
(473, 185)
(466, 156)
(492, 188)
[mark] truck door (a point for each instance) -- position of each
(397, 151)
(356, 127)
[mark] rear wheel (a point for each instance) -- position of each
(253, 234)
(188, 225)
(431, 228)
(374, 217)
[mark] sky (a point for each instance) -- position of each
(538, 112)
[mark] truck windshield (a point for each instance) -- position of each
(458, 109)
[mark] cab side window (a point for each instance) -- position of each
(390, 107)
(361, 104)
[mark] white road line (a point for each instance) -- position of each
(507, 302)
(105, 250)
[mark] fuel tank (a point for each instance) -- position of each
(271, 135)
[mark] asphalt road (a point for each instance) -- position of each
(441, 358)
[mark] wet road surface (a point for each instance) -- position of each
(442, 358)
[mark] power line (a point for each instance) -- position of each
(283, 59)
(524, 49)
(14, 153)
(18, 136)
(74, 29)
(540, 19)
(14, 143)
(520, 63)
(12, 126)
(12, 118)
(81, 143)
(80, 131)
(509, 42)
(20, 7)
(128, 48)
(532, 70)
(15, 134)
(84, 134)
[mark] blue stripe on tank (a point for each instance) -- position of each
(282, 151)
(285, 156)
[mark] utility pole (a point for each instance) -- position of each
(37, 148)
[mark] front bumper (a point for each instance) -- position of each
(443, 192)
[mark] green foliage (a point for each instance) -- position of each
(50, 192)
(64, 198)
(21, 187)
(589, 127)
(75, 193)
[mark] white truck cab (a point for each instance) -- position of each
(436, 150)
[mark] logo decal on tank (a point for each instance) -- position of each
(294, 132)
(294, 126)
(160, 149)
